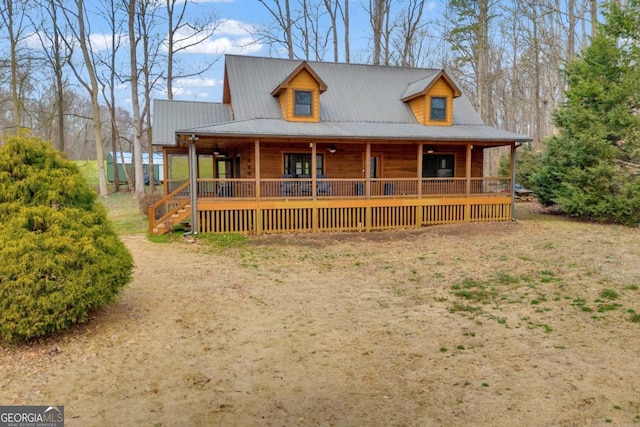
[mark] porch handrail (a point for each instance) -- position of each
(166, 200)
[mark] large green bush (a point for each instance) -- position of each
(590, 167)
(60, 257)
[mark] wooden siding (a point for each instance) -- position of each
(396, 161)
(302, 81)
(419, 108)
(440, 89)
(421, 105)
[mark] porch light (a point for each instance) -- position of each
(430, 150)
(216, 150)
(331, 149)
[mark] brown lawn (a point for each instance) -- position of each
(499, 324)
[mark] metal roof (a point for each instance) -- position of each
(347, 130)
(419, 85)
(361, 101)
(355, 93)
(170, 115)
(127, 156)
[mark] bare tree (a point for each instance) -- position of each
(409, 23)
(109, 89)
(13, 14)
(57, 56)
(332, 7)
(470, 43)
(75, 20)
(281, 32)
(151, 46)
(138, 177)
(379, 12)
(183, 35)
(345, 19)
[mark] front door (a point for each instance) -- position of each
(224, 170)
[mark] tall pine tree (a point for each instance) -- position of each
(591, 168)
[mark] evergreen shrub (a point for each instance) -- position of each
(61, 258)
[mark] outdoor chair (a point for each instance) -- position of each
(287, 186)
(324, 187)
(304, 187)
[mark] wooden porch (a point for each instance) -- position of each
(257, 187)
(291, 205)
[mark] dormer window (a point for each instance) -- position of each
(299, 95)
(303, 102)
(431, 99)
(438, 108)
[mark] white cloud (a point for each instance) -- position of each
(235, 28)
(231, 36)
(99, 42)
(198, 81)
(224, 45)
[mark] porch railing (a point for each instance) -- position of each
(336, 188)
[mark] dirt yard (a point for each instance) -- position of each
(528, 323)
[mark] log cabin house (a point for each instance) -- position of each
(299, 146)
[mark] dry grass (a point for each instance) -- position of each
(526, 323)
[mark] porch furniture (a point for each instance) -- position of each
(304, 187)
(288, 186)
(324, 187)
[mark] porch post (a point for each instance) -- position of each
(467, 172)
(314, 209)
(420, 153)
(257, 168)
(367, 171)
(193, 184)
(314, 166)
(258, 211)
(513, 181)
(165, 171)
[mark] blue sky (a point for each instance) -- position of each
(239, 17)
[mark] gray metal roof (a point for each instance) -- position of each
(171, 115)
(361, 101)
(347, 130)
(128, 156)
(356, 93)
(419, 85)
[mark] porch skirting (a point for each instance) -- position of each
(362, 215)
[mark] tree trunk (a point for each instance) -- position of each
(483, 61)
(135, 101)
(93, 92)
(347, 55)
(57, 68)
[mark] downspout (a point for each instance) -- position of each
(513, 182)
(193, 184)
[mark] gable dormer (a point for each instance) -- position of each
(431, 99)
(299, 94)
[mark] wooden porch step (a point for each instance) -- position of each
(176, 218)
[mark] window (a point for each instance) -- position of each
(438, 109)
(303, 99)
(438, 166)
(375, 173)
(296, 164)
